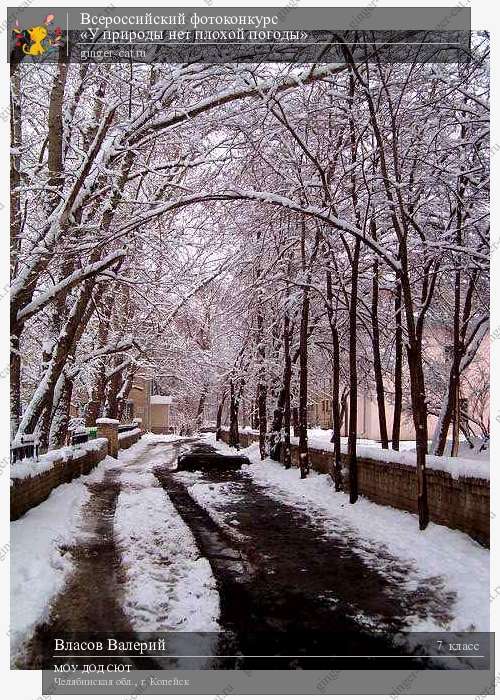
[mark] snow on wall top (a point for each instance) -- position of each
(163, 400)
(129, 433)
(107, 421)
(30, 467)
(455, 466)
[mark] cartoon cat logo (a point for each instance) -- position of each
(37, 40)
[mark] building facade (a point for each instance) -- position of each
(154, 410)
(474, 398)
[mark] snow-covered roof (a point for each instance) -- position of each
(157, 399)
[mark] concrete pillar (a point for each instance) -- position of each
(108, 428)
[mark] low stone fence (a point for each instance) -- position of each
(32, 481)
(459, 502)
(126, 440)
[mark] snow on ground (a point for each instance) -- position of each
(148, 438)
(169, 585)
(216, 499)
(130, 433)
(470, 463)
(158, 549)
(38, 565)
(33, 467)
(465, 450)
(438, 551)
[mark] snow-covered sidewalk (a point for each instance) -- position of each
(167, 584)
(438, 553)
(40, 562)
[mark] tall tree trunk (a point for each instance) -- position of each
(15, 241)
(55, 184)
(44, 423)
(124, 393)
(457, 337)
(93, 408)
(60, 422)
(95, 405)
(452, 390)
(15, 381)
(377, 363)
(455, 442)
(234, 433)
(295, 420)
(62, 349)
(59, 312)
(419, 410)
(262, 420)
(417, 388)
(220, 409)
(414, 328)
(261, 358)
(450, 411)
(398, 368)
(201, 408)
(353, 379)
(287, 379)
(335, 439)
(303, 443)
(113, 387)
(303, 461)
(55, 166)
(353, 308)
(344, 410)
(277, 423)
(15, 166)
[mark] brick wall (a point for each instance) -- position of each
(30, 491)
(462, 504)
(126, 440)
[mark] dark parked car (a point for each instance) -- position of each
(210, 461)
